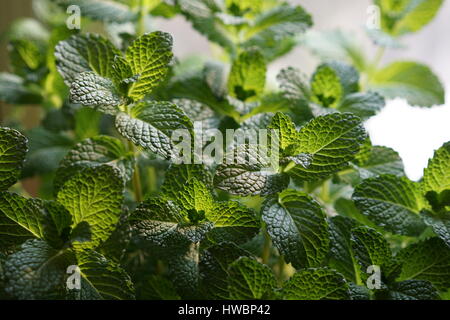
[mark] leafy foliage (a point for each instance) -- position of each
(144, 193)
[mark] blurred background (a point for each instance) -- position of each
(413, 132)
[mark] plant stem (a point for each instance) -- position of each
(325, 192)
(266, 248)
(143, 11)
(136, 179)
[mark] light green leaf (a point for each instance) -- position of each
(316, 284)
(37, 271)
(148, 57)
(436, 176)
(93, 152)
(94, 196)
(287, 132)
(177, 175)
(248, 280)
(89, 89)
(84, 53)
(409, 80)
(407, 16)
(101, 279)
(13, 148)
(392, 202)
(427, 260)
(332, 140)
(326, 87)
(298, 228)
(247, 76)
(151, 125)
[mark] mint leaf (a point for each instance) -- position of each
(247, 76)
(391, 202)
(409, 80)
(94, 196)
(326, 87)
(184, 270)
(273, 30)
(177, 176)
(13, 90)
(93, 152)
(287, 132)
(341, 254)
(427, 260)
(148, 57)
(214, 264)
(104, 10)
(36, 271)
(151, 125)
(364, 105)
(101, 279)
(84, 53)
(89, 89)
(332, 140)
(399, 18)
(436, 176)
(249, 174)
(316, 284)
(370, 248)
(298, 228)
(13, 148)
(439, 223)
(248, 280)
(409, 290)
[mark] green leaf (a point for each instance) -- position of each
(392, 202)
(409, 290)
(84, 53)
(335, 45)
(287, 132)
(326, 87)
(407, 16)
(94, 196)
(341, 254)
(294, 84)
(248, 173)
(298, 228)
(89, 89)
(214, 264)
(101, 279)
(370, 248)
(364, 105)
(149, 56)
(436, 176)
(36, 271)
(273, 30)
(248, 280)
(13, 148)
(427, 260)
(409, 80)
(184, 270)
(332, 140)
(177, 176)
(94, 152)
(247, 76)
(440, 223)
(316, 284)
(13, 90)
(103, 10)
(151, 125)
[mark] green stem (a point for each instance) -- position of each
(373, 67)
(266, 248)
(143, 11)
(136, 179)
(325, 192)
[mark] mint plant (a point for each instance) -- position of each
(163, 178)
